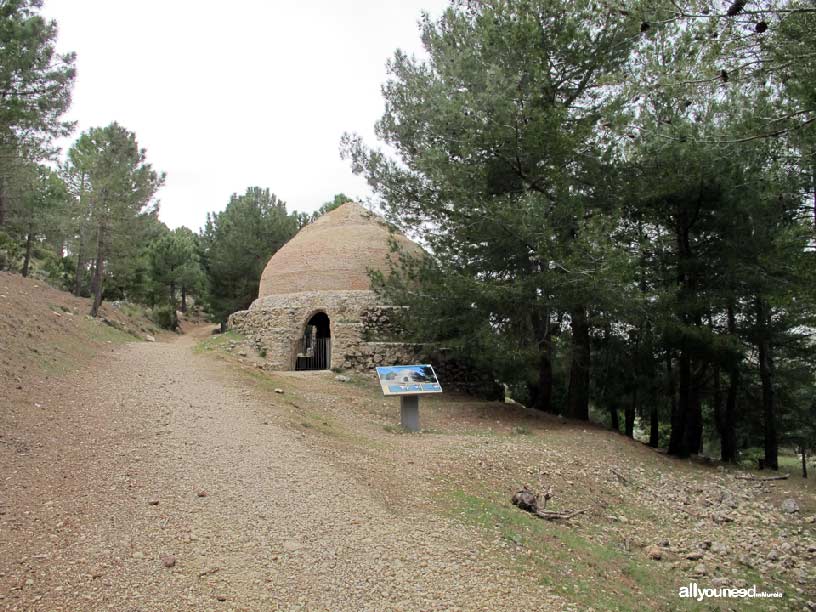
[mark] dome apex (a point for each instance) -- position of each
(333, 253)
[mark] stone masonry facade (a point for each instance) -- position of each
(360, 332)
(325, 268)
(358, 324)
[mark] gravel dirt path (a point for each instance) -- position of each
(158, 481)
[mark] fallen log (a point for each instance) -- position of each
(620, 476)
(761, 478)
(552, 515)
(527, 501)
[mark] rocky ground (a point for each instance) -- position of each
(178, 475)
(157, 481)
(653, 522)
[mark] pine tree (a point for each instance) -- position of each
(119, 185)
(503, 170)
(35, 90)
(236, 244)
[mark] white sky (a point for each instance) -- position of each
(229, 95)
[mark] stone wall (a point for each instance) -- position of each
(381, 323)
(275, 323)
(452, 374)
(364, 356)
(360, 329)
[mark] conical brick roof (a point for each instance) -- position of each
(333, 253)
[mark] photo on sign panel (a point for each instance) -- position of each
(410, 379)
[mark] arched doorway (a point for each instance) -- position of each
(314, 348)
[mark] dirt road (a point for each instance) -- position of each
(157, 481)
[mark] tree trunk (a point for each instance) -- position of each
(2, 201)
(629, 414)
(184, 299)
(98, 271)
(654, 427)
(812, 176)
(804, 461)
(93, 276)
(543, 399)
(728, 435)
(613, 415)
(716, 400)
(728, 432)
(81, 245)
(578, 393)
(694, 417)
(27, 258)
(677, 439)
(766, 375)
(78, 271)
(686, 434)
(542, 391)
(173, 319)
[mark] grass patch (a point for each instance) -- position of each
(101, 332)
(218, 342)
(134, 311)
(599, 576)
(521, 430)
(363, 382)
(66, 353)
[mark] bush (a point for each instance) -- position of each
(165, 317)
(663, 434)
(10, 253)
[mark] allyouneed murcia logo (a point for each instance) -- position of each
(692, 591)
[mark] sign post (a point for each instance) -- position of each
(409, 412)
(409, 382)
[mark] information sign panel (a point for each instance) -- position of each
(408, 380)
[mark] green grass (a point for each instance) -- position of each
(65, 354)
(218, 342)
(601, 576)
(788, 461)
(59, 308)
(135, 311)
(101, 332)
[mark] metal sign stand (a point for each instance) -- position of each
(409, 382)
(409, 412)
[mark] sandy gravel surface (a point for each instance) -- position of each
(157, 481)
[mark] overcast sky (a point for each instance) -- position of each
(229, 95)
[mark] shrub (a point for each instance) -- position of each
(10, 254)
(165, 317)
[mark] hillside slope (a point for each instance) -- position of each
(46, 337)
(181, 475)
(44, 331)
(707, 524)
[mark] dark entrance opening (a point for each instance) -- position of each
(314, 348)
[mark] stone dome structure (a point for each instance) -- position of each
(315, 308)
(334, 253)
